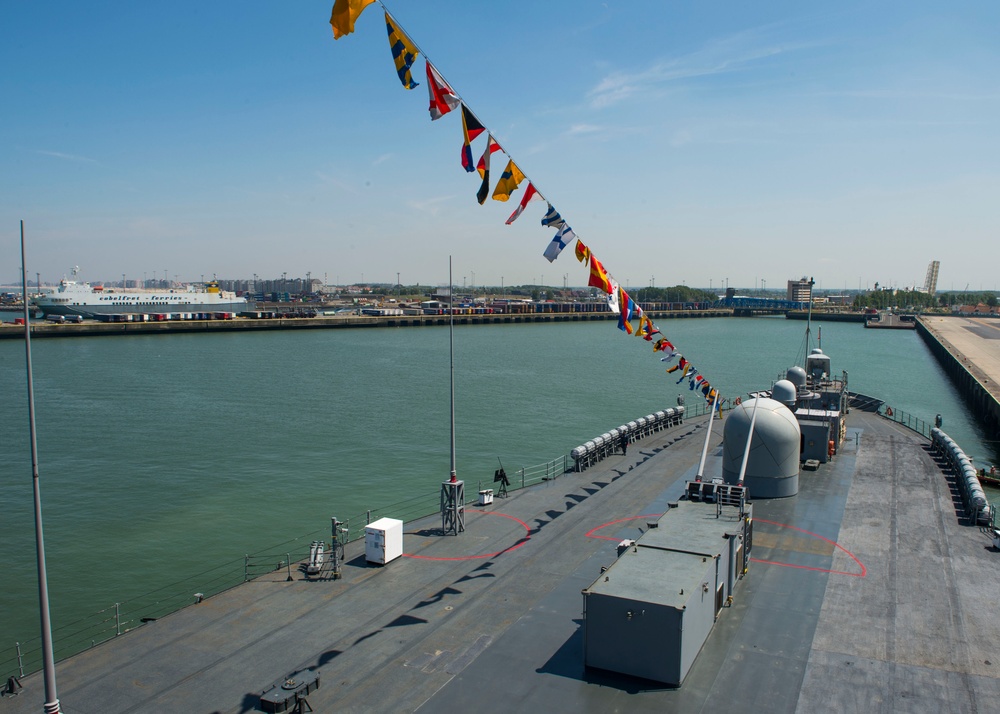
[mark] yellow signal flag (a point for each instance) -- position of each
(344, 15)
(508, 182)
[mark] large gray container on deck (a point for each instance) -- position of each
(649, 614)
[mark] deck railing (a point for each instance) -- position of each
(906, 419)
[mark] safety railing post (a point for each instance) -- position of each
(20, 659)
(246, 567)
(118, 620)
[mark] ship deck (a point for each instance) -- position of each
(868, 592)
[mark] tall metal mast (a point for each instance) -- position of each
(51, 705)
(451, 363)
(452, 490)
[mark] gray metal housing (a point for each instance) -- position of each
(649, 614)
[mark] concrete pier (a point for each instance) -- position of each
(969, 351)
(91, 328)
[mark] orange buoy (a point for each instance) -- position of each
(888, 411)
(830, 448)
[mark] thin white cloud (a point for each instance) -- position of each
(577, 129)
(66, 157)
(906, 94)
(338, 182)
(430, 206)
(730, 54)
(680, 138)
(382, 159)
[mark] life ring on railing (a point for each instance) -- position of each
(738, 401)
(888, 411)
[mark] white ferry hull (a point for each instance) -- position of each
(85, 300)
(92, 311)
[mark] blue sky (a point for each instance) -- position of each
(683, 141)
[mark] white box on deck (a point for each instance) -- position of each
(383, 540)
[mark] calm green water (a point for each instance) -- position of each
(169, 456)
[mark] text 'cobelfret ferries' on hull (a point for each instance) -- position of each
(86, 300)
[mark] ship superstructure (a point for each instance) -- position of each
(82, 298)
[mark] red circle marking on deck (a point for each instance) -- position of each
(517, 545)
(590, 533)
(864, 570)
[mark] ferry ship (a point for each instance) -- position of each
(86, 300)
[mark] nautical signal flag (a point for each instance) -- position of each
(510, 179)
(563, 237)
(627, 309)
(530, 194)
(646, 328)
(344, 15)
(443, 98)
(483, 167)
(613, 296)
(598, 275)
(404, 53)
(552, 219)
(471, 128)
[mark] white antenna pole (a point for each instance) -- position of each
(704, 450)
(746, 452)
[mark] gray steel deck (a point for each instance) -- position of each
(903, 624)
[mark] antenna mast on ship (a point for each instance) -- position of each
(51, 705)
(807, 344)
(809, 317)
(452, 490)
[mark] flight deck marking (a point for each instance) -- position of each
(517, 545)
(590, 533)
(864, 570)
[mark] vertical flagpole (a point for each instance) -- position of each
(51, 705)
(451, 363)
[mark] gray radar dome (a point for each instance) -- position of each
(796, 375)
(773, 464)
(784, 391)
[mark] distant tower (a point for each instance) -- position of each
(800, 290)
(930, 282)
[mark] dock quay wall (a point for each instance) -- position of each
(93, 328)
(979, 392)
(821, 316)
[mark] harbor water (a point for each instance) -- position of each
(166, 459)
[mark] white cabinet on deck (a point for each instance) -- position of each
(383, 540)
